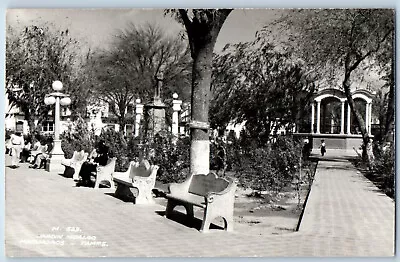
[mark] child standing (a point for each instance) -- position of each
(323, 147)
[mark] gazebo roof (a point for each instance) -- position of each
(364, 94)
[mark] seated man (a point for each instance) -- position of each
(40, 161)
(26, 151)
(37, 148)
(97, 158)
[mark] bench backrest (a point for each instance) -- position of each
(74, 155)
(110, 165)
(203, 184)
(143, 169)
(78, 156)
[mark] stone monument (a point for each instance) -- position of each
(155, 111)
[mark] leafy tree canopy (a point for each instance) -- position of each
(35, 58)
(338, 42)
(255, 83)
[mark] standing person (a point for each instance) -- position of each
(323, 147)
(17, 143)
(100, 158)
(306, 149)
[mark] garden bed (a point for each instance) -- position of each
(263, 213)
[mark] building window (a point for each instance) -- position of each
(20, 126)
(48, 126)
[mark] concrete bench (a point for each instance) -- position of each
(74, 164)
(137, 182)
(215, 195)
(105, 173)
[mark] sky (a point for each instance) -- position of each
(96, 27)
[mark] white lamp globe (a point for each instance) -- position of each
(138, 101)
(50, 100)
(65, 101)
(57, 85)
(175, 96)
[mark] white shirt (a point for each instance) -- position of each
(17, 141)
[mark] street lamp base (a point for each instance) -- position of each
(53, 164)
(57, 155)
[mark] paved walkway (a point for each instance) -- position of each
(46, 215)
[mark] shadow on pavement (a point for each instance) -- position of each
(64, 175)
(183, 219)
(337, 167)
(332, 159)
(12, 167)
(124, 199)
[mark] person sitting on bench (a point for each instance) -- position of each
(100, 158)
(37, 148)
(40, 161)
(26, 151)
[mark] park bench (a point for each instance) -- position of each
(104, 173)
(215, 195)
(74, 164)
(137, 182)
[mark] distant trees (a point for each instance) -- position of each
(128, 69)
(256, 84)
(35, 57)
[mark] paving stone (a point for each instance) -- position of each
(345, 216)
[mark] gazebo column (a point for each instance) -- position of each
(370, 118)
(348, 119)
(318, 116)
(342, 118)
(312, 116)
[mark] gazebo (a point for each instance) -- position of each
(332, 120)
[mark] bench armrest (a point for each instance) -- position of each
(228, 192)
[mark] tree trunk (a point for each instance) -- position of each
(201, 82)
(31, 125)
(367, 152)
(121, 122)
(202, 30)
(33, 129)
(390, 107)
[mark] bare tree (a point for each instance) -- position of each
(129, 68)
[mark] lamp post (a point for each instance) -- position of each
(176, 107)
(138, 117)
(58, 98)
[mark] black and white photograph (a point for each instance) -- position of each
(199, 132)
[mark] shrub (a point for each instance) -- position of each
(384, 168)
(172, 158)
(270, 167)
(118, 148)
(77, 137)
